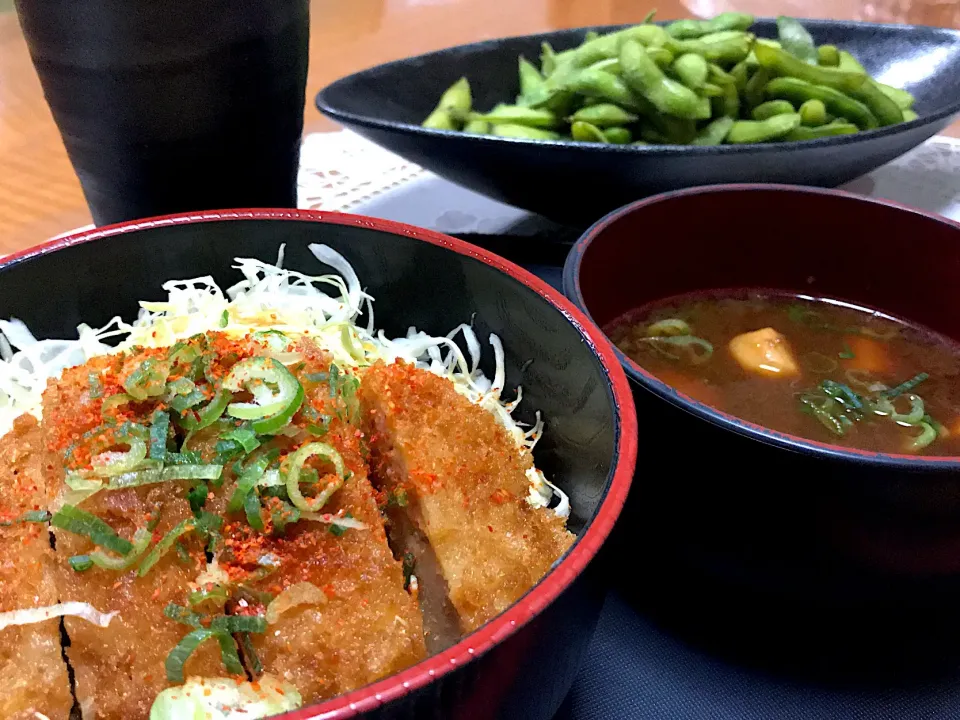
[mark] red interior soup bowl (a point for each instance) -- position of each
(796, 459)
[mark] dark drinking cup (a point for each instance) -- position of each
(174, 105)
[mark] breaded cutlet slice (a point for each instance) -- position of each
(34, 676)
(464, 487)
(119, 670)
(366, 625)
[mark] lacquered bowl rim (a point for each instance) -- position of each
(571, 287)
(482, 640)
(368, 121)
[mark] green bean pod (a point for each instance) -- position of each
(837, 127)
(618, 135)
(691, 28)
(757, 131)
(715, 132)
(669, 96)
(604, 115)
(523, 132)
(783, 63)
(692, 70)
(813, 113)
(519, 115)
(765, 111)
(585, 132)
(798, 92)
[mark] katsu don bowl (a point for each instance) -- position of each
(277, 463)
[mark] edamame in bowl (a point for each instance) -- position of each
(574, 123)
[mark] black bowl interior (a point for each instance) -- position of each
(577, 183)
(414, 283)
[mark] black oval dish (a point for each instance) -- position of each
(578, 182)
(774, 509)
(521, 663)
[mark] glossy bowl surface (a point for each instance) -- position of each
(418, 277)
(579, 182)
(770, 508)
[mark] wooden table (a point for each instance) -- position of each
(40, 196)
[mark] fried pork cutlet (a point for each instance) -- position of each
(119, 670)
(34, 675)
(455, 475)
(357, 623)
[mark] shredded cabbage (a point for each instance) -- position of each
(270, 297)
(28, 616)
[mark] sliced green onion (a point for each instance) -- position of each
(228, 653)
(141, 541)
(225, 319)
(846, 353)
(35, 516)
(182, 352)
(668, 327)
(80, 563)
(165, 544)
(842, 394)
(905, 387)
(208, 526)
(209, 414)
(272, 409)
(182, 403)
(251, 507)
(136, 478)
(821, 409)
(817, 362)
(159, 429)
(239, 623)
(184, 649)
(282, 515)
(148, 380)
(217, 595)
(246, 437)
(192, 472)
(915, 416)
(110, 464)
(182, 615)
(697, 349)
(928, 433)
(79, 522)
(197, 496)
(250, 654)
(248, 480)
(115, 401)
(295, 465)
(96, 385)
(227, 450)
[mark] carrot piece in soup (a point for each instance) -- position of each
(695, 388)
(869, 355)
(765, 352)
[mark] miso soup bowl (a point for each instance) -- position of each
(736, 500)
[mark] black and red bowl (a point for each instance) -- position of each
(739, 501)
(521, 663)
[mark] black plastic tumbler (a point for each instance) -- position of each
(174, 105)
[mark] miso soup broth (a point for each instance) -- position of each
(817, 368)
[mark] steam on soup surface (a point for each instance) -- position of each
(817, 368)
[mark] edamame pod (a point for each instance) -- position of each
(798, 92)
(909, 115)
(523, 132)
(795, 40)
(715, 132)
(455, 104)
(813, 113)
(691, 28)
(519, 115)
(604, 115)
(767, 110)
(530, 78)
(669, 96)
(740, 74)
(754, 131)
(902, 98)
(783, 63)
(753, 93)
(848, 62)
(828, 55)
(477, 127)
(722, 47)
(618, 135)
(661, 56)
(883, 107)
(837, 127)
(692, 70)
(600, 84)
(585, 132)
(548, 59)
